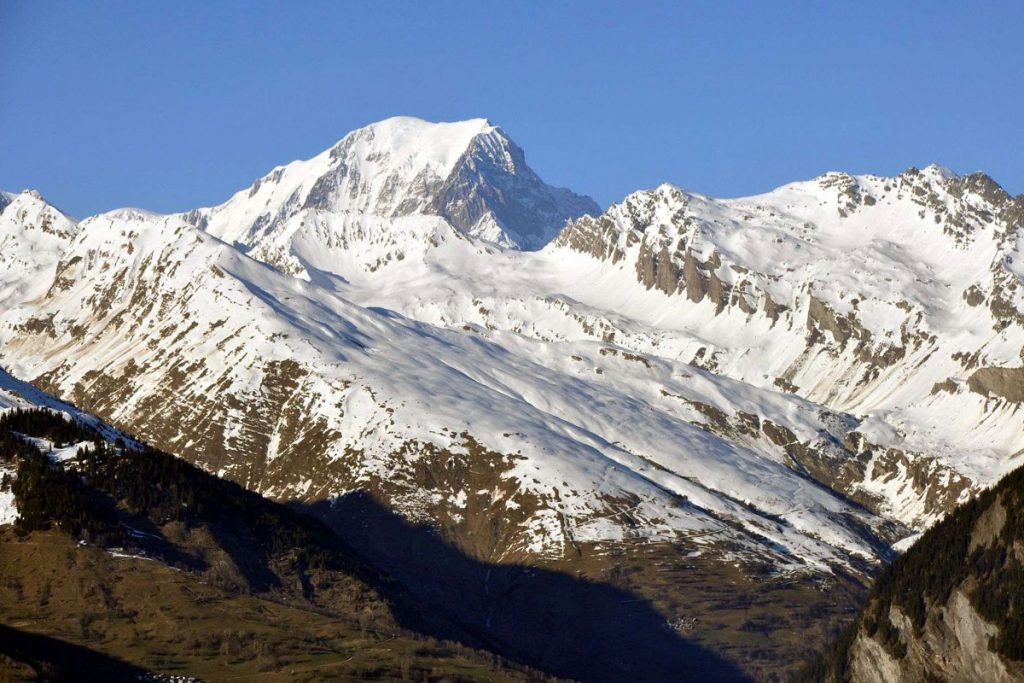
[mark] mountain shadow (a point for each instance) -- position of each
(318, 558)
(566, 626)
(33, 657)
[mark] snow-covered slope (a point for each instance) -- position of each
(727, 372)
(869, 294)
(896, 299)
(299, 393)
(33, 235)
(16, 394)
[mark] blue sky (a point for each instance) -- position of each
(169, 106)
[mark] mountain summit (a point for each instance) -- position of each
(469, 173)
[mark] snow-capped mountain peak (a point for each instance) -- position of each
(468, 173)
(33, 235)
(409, 142)
(856, 331)
(939, 171)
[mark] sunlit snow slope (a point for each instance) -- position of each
(898, 300)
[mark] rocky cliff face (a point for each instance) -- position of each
(952, 608)
(492, 194)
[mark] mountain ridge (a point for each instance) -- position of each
(790, 384)
(443, 245)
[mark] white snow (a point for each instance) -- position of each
(8, 506)
(904, 545)
(33, 235)
(393, 159)
(58, 454)
(380, 380)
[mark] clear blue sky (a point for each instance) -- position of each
(171, 105)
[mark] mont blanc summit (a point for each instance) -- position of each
(470, 174)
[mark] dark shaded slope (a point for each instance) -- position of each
(373, 575)
(568, 626)
(32, 657)
(951, 608)
(142, 556)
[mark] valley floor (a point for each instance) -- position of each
(144, 614)
(766, 624)
(154, 617)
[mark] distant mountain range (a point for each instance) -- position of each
(789, 386)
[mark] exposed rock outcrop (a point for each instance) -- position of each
(950, 609)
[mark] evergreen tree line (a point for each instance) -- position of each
(46, 494)
(47, 424)
(937, 564)
(83, 499)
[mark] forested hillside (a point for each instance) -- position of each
(135, 563)
(951, 608)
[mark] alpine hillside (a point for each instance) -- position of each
(760, 395)
(115, 554)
